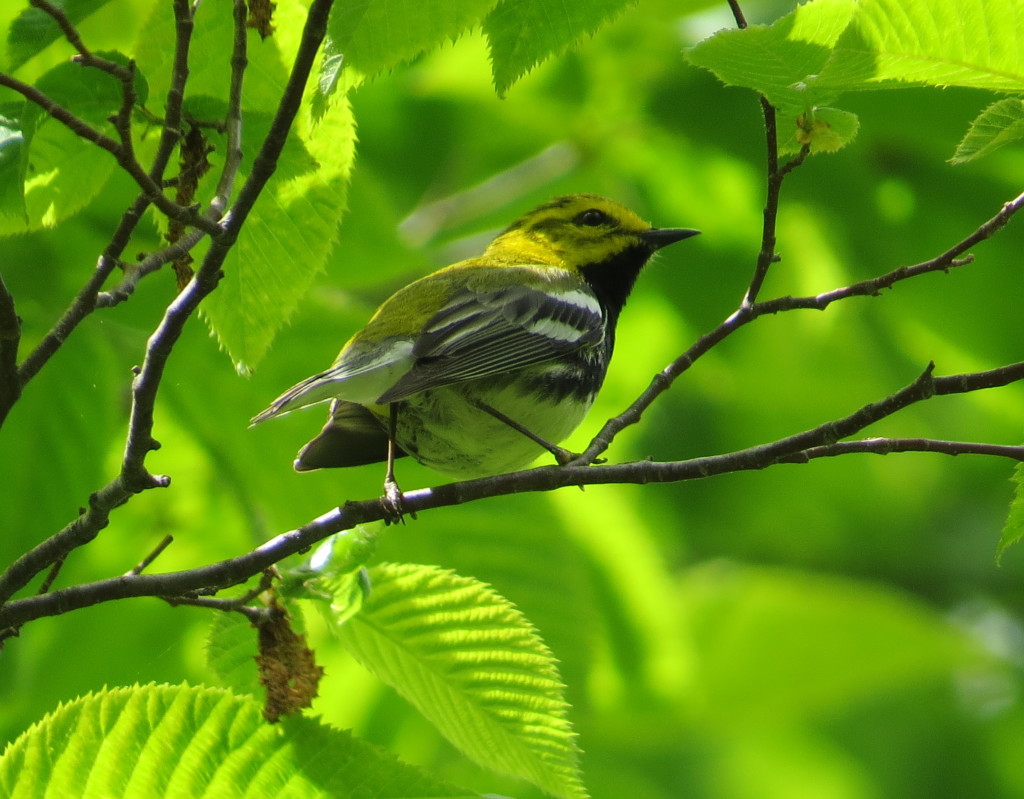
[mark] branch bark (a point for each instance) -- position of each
(825, 440)
(134, 476)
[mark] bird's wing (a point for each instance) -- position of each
(481, 333)
(358, 376)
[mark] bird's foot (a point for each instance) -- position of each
(393, 503)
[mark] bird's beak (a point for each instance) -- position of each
(656, 238)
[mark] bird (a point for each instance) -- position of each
(477, 368)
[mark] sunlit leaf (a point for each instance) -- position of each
(65, 171)
(1013, 530)
(1000, 124)
(823, 130)
(374, 35)
(782, 60)
(973, 43)
(827, 47)
(523, 34)
(470, 662)
(165, 740)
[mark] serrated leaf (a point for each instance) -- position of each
(375, 35)
(1000, 124)
(286, 239)
(523, 33)
(473, 665)
(165, 740)
(970, 43)
(827, 47)
(824, 130)
(781, 60)
(231, 653)
(1013, 530)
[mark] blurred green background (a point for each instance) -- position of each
(838, 629)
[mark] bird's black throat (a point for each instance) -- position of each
(613, 279)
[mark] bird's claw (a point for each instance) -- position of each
(566, 456)
(393, 503)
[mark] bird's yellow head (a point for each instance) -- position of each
(575, 230)
(605, 242)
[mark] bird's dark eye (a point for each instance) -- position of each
(592, 218)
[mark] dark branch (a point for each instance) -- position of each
(745, 314)
(88, 298)
(821, 441)
(10, 338)
(125, 156)
(85, 56)
(886, 446)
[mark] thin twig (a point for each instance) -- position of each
(51, 576)
(86, 56)
(233, 120)
(256, 616)
(133, 273)
(88, 298)
(170, 133)
(158, 550)
(737, 13)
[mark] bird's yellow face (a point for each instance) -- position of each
(571, 231)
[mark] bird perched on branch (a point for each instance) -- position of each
(476, 368)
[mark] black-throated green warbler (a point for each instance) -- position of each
(474, 367)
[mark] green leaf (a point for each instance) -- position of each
(327, 80)
(781, 60)
(231, 646)
(165, 740)
(1000, 124)
(522, 33)
(824, 130)
(34, 29)
(1013, 530)
(824, 48)
(971, 43)
(64, 171)
(473, 665)
(375, 35)
(286, 240)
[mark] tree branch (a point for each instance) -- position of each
(10, 338)
(886, 446)
(89, 298)
(86, 57)
(821, 441)
(747, 313)
(134, 477)
(124, 155)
